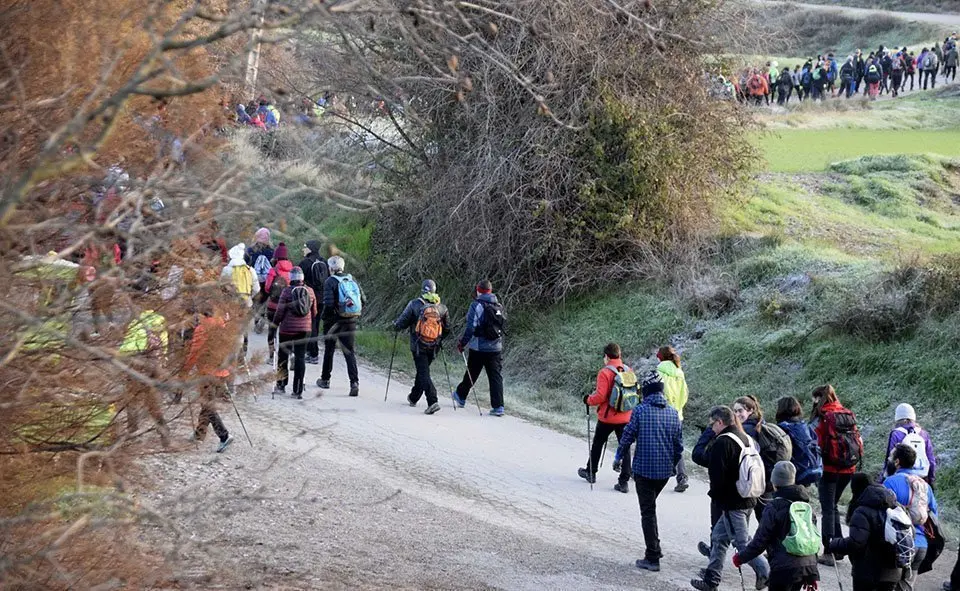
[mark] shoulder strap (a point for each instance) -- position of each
(902, 430)
(611, 368)
(737, 439)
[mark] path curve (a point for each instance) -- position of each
(947, 19)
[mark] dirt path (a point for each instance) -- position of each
(925, 17)
(356, 493)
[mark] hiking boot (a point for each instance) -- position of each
(354, 389)
(411, 401)
(223, 444)
(946, 586)
(322, 383)
(704, 549)
(827, 560)
(432, 408)
(702, 585)
(624, 488)
(585, 474)
(496, 412)
(761, 583)
(457, 400)
(297, 396)
(278, 390)
(650, 565)
(681, 487)
(312, 360)
(269, 360)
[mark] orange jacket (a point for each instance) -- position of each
(207, 361)
(601, 397)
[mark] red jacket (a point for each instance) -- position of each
(204, 354)
(822, 438)
(287, 321)
(601, 396)
(282, 268)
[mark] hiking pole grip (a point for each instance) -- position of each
(396, 335)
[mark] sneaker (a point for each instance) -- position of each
(649, 565)
(704, 549)
(278, 390)
(432, 408)
(585, 474)
(681, 487)
(411, 401)
(322, 383)
(624, 488)
(496, 412)
(702, 585)
(354, 389)
(457, 400)
(312, 360)
(297, 396)
(761, 583)
(827, 560)
(223, 444)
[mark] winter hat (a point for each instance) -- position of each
(335, 264)
(313, 245)
(281, 253)
(784, 474)
(652, 383)
(481, 289)
(262, 236)
(428, 286)
(905, 411)
(296, 274)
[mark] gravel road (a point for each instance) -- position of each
(923, 17)
(355, 493)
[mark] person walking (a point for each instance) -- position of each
(897, 67)
(677, 394)
(259, 257)
(930, 65)
(911, 61)
(731, 446)
(795, 78)
(848, 74)
(296, 310)
(787, 534)
(315, 273)
(873, 78)
(842, 447)
(950, 58)
(806, 457)
(916, 497)
(655, 427)
(483, 338)
(907, 430)
(342, 307)
(428, 321)
(750, 414)
(609, 419)
(874, 563)
(207, 361)
(277, 279)
(860, 69)
(785, 87)
(244, 280)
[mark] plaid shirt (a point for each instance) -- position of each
(655, 426)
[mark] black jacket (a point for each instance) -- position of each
(411, 314)
(701, 451)
(873, 559)
(724, 469)
(785, 569)
(315, 270)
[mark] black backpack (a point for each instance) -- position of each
(491, 322)
(318, 275)
(276, 288)
(300, 301)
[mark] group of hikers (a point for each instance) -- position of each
(883, 71)
(764, 469)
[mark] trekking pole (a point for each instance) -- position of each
(236, 410)
(836, 569)
(472, 385)
(743, 585)
(443, 356)
(396, 335)
(589, 450)
(603, 453)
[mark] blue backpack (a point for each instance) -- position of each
(806, 452)
(349, 297)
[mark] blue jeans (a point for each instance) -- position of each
(733, 526)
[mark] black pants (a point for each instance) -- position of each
(296, 344)
(492, 363)
(929, 76)
(343, 331)
(209, 392)
(599, 439)
(949, 72)
(313, 347)
(830, 487)
(908, 76)
(896, 81)
(647, 493)
(423, 383)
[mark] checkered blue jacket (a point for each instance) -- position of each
(655, 427)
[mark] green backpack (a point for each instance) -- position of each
(625, 394)
(803, 539)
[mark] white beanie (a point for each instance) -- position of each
(905, 411)
(335, 264)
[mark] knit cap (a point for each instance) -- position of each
(652, 383)
(784, 474)
(296, 274)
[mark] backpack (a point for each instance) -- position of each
(843, 447)
(898, 531)
(429, 327)
(752, 481)
(317, 279)
(873, 74)
(805, 78)
(803, 538)
(929, 61)
(625, 394)
(242, 278)
(348, 295)
(300, 301)
(491, 321)
(918, 506)
(816, 74)
(276, 288)
(775, 445)
(919, 445)
(806, 453)
(897, 64)
(262, 267)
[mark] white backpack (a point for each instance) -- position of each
(753, 478)
(915, 440)
(898, 531)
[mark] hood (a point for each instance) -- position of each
(236, 255)
(488, 297)
(831, 407)
(877, 496)
(669, 368)
(657, 399)
(284, 267)
(793, 493)
(431, 298)
(313, 246)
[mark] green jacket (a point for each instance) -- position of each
(674, 385)
(145, 334)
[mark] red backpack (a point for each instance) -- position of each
(843, 447)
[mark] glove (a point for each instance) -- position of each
(736, 560)
(585, 398)
(459, 347)
(616, 465)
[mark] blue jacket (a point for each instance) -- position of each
(474, 315)
(655, 426)
(900, 487)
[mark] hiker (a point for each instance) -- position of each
(676, 392)
(806, 79)
(208, 362)
(277, 279)
(873, 558)
(616, 383)
(930, 65)
(795, 78)
(788, 534)
(258, 257)
(144, 349)
(701, 457)
(848, 77)
(906, 430)
(315, 273)
(950, 59)
(785, 85)
(911, 62)
(831, 73)
(916, 497)
(842, 449)
(731, 448)
(429, 322)
(873, 78)
(954, 583)
(243, 278)
(483, 336)
(819, 81)
(886, 64)
(342, 306)
(897, 67)
(806, 456)
(296, 309)
(758, 87)
(655, 427)
(772, 443)
(860, 70)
